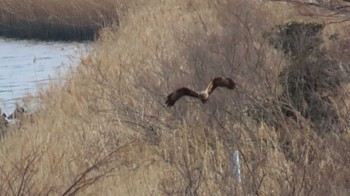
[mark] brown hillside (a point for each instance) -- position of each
(107, 131)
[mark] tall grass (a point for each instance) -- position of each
(57, 20)
(107, 130)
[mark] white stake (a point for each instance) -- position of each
(236, 167)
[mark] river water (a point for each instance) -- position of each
(27, 66)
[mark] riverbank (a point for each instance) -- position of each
(29, 66)
(55, 20)
(107, 131)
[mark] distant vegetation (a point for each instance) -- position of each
(56, 19)
(107, 131)
(312, 79)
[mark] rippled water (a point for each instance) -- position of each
(27, 66)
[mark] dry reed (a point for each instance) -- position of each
(108, 132)
(57, 20)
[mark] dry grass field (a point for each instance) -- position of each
(107, 131)
(57, 19)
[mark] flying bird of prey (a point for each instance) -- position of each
(203, 95)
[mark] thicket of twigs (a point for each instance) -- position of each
(107, 130)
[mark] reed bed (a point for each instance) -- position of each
(107, 130)
(57, 20)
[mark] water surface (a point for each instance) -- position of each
(27, 66)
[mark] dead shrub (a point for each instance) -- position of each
(312, 80)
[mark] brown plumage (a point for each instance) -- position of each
(203, 95)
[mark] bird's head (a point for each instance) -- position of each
(204, 96)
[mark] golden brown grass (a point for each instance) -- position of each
(57, 20)
(54, 10)
(107, 131)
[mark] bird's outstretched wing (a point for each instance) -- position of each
(176, 95)
(220, 82)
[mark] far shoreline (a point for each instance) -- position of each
(48, 32)
(53, 21)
